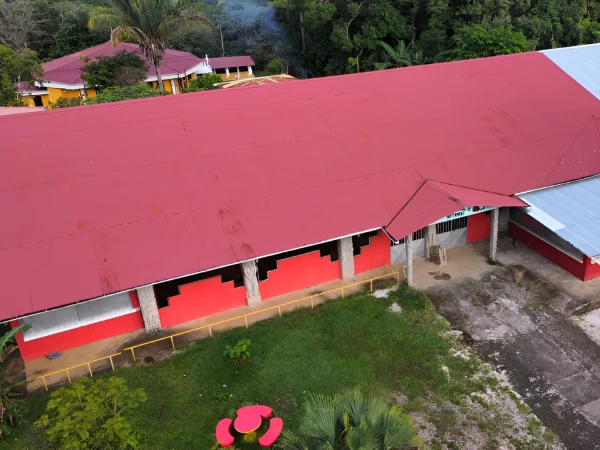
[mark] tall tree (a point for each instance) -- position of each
(16, 67)
(148, 23)
(17, 21)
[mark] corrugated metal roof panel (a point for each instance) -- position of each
(576, 207)
(582, 63)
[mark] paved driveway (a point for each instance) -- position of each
(518, 323)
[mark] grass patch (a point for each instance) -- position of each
(334, 347)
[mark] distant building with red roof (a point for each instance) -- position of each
(62, 76)
(147, 214)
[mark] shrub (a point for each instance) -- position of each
(92, 414)
(239, 351)
(66, 102)
(116, 94)
(275, 66)
(204, 82)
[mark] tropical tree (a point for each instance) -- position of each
(351, 421)
(401, 56)
(148, 23)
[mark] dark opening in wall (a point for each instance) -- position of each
(265, 265)
(362, 240)
(419, 234)
(171, 288)
(451, 225)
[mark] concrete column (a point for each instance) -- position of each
(149, 309)
(346, 256)
(238, 72)
(494, 234)
(250, 271)
(173, 87)
(429, 241)
(227, 72)
(408, 271)
(250, 70)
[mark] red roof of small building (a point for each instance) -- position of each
(230, 61)
(105, 198)
(68, 68)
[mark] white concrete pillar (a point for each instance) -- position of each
(149, 309)
(83, 96)
(250, 70)
(408, 271)
(250, 272)
(429, 241)
(494, 234)
(238, 72)
(173, 88)
(227, 72)
(346, 256)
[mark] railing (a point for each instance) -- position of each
(171, 337)
(68, 369)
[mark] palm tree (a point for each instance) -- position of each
(148, 23)
(401, 56)
(6, 347)
(351, 421)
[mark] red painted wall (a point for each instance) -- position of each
(200, 299)
(478, 227)
(375, 255)
(548, 251)
(78, 336)
(299, 272)
(591, 270)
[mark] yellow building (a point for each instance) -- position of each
(62, 76)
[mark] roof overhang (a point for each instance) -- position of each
(443, 199)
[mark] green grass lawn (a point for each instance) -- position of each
(343, 343)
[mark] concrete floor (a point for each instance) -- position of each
(519, 321)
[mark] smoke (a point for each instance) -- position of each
(259, 17)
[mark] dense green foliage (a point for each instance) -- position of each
(16, 66)
(92, 414)
(328, 37)
(353, 421)
(116, 94)
(204, 82)
(239, 351)
(66, 102)
(123, 69)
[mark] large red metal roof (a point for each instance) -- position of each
(104, 198)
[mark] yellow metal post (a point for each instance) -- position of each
(312, 301)
(172, 343)
(371, 285)
(68, 376)
(133, 354)
(111, 363)
(279, 311)
(90, 369)
(210, 331)
(44, 380)
(246, 320)
(342, 292)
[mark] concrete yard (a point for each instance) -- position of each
(520, 321)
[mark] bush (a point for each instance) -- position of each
(204, 82)
(66, 102)
(116, 94)
(239, 351)
(92, 414)
(275, 66)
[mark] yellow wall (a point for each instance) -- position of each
(29, 100)
(233, 75)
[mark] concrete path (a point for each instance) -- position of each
(517, 322)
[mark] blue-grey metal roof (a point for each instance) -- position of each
(582, 63)
(571, 210)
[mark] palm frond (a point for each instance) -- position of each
(109, 17)
(319, 419)
(6, 338)
(390, 51)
